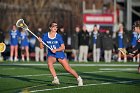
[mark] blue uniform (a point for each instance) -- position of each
(134, 39)
(94, 37)
(14, 37)
(120, 40)
(54, 43)
(24, 39)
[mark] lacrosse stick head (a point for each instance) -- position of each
(2, 47)
(20, 23)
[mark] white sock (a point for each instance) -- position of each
(79, 78)
(55, 77)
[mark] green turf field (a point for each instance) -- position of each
(34, 77)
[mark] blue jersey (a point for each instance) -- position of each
(54, 43)
(134, 39)
(14, 37)
(24, 39)
(94, 37)
(120, 40)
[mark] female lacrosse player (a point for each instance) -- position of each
(14, 34)
(54, 40)
(136, 50)
(122, 42)
(24, 45)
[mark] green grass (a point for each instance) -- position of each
(19, 78)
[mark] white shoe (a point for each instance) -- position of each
(134, 59)
(27, 59)
(15, 59)
(125, 60)
(138, 60)
(56, 81)
(119, 60)
(23, 59)
(80, 81)
(11, 59)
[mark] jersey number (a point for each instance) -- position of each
(53, 47)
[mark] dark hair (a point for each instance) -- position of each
(137, 23)
(95, 25)
(52, 23)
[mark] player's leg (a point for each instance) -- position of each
(125, 56)
(27, 52)
(134, 59)
(67, 67)
(51, 60)
(11, 52)
(16, 53)
(22, 53)
(139, 68)
(138, 58)
(119, 56)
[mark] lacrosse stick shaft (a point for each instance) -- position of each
(38, 38)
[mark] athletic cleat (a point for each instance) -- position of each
(23, 59)
(11, 59)
(28, 59)
(80, 81)
(56, 81)
(15, 59)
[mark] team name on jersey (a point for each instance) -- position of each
(13, 33)
(52, 42)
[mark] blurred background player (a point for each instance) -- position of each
(75, 43)
(134, 43)
(136, 50)
(83, 44)
(1, 41)
(122, 42)
(14, 35)
(39, 53)
(56, 43)
(64, 35)
(24, 45)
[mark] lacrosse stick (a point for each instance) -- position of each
(20, 23)
(2, 47)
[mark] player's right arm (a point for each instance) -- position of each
(40, 43)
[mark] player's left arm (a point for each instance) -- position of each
(62, 45)
(61, 48)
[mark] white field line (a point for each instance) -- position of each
(58, 74)
(118, 69)
(12, 68)
(106, 83)
(18, 64)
